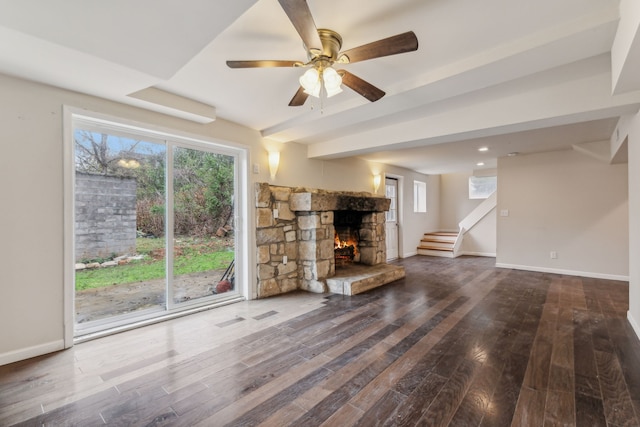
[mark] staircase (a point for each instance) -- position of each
(449, 244)
(438, 244)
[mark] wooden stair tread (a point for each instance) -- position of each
(435, 239)
(435, 248)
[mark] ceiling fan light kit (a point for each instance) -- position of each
(323, 51)
(321, 82)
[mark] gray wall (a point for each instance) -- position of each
(105, 216)
(568, 203)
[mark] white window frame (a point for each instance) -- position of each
(178, 138)
(419, 197)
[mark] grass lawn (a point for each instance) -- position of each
(192, 256)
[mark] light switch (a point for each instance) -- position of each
(256, 168)
(275, 213)
(504, 212)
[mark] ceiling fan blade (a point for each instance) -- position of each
(300, 16)
(401, 43)
(364, 88)
(299, 98)
(263, 64)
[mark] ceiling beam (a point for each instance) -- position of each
(550, 48)
(625, 53)
(533, 103)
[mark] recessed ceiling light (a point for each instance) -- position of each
(483, 149)
(515, 153)
(480, 164)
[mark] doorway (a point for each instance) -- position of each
(392, 215)
(154, 225)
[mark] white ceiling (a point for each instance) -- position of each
(511, 75)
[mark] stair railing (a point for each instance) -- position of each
(473, 218)
(458, 243)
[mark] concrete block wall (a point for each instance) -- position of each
(105, 216)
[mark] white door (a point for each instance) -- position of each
(391, 192)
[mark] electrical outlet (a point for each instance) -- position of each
(275, 213)
(553, 255)
(285, 259)
(504, 212)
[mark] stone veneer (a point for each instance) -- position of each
(303, 232)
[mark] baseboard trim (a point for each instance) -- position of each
(634, 324)
(408, 254)
(565, 272)
(29, 352)
(487, 254)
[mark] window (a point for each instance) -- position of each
(391, 193)
(419, 196)
(481, 187)
(153, 220)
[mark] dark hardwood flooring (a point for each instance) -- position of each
(457, 342)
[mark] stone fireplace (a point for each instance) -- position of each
(297, 231)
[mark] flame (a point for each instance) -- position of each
(339, 244)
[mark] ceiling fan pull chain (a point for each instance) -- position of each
(323, 92)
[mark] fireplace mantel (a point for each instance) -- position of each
(324, 201)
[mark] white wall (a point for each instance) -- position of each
(481, 239)
(566, 202)
(298, 170)
(455, 204)
(634, 224)
(32, 190)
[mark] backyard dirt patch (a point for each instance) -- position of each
(100, 303)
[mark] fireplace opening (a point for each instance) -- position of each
(345, 248)
(347, 226)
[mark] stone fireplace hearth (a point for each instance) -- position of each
(296, 235)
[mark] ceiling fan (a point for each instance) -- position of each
(323, 51)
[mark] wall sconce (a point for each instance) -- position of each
(376, 183)
(274, 162)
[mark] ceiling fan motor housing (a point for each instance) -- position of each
(331, 44)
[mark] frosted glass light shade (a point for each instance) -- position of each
(376, 182)
(332, 81)
(312, 84)
(310, 81)
(274, 162)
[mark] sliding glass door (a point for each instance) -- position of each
(204, 247)
(154, 224)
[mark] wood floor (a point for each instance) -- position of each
(457, 342)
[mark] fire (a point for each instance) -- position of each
(345, 251)
(337, 243)
(341, 244)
